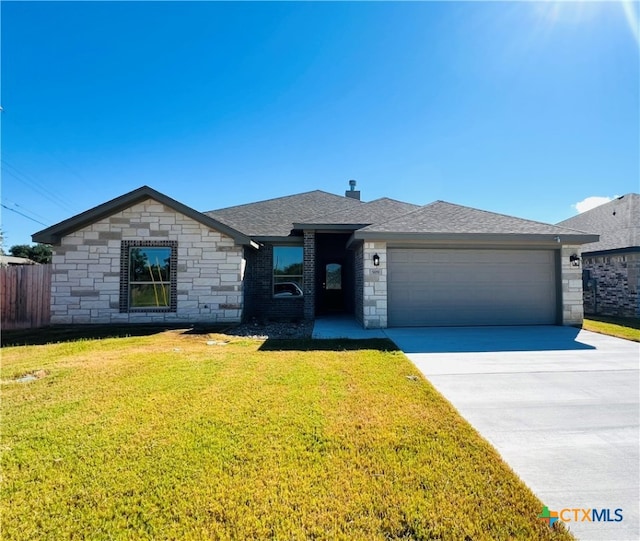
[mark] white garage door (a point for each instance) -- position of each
(436, 287)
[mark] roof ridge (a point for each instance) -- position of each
(509, 216)
(473, 209)
(364, 204)
(408, 213)
(279, 198)
(394, 200)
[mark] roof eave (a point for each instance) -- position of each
(329, 226)
(53, 235)
(275, 239)
(522, 238)
(611, 251)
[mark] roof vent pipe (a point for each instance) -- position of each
(352, 192)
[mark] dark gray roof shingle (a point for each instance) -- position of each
(275, 217)
(617, 223)
(443, 217)
(375, 211)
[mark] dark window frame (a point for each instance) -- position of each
(125, 261)
(290, 277)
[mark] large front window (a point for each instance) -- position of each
(287, 271)
(148, 276)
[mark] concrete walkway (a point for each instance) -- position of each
(561, 405)
(343, 326)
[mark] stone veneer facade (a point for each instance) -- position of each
(612, 289)
(571, 282)
(87, 266)
(374, 286)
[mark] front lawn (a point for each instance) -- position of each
(628, 328)
(186, 436)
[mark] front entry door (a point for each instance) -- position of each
(332, 292)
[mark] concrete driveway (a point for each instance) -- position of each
(561, 406)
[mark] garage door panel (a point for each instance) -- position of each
(471, 287)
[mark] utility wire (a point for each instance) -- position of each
(34, 135)
(24, 209)
(21, 214)
(35, 185)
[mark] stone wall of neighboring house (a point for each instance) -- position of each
(612, 288)
(358, 269)
(258, 293)
(571, 283)
(87, 269)
(374, 286)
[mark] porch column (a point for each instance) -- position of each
(309, 274)
(572, 299)
(375, 286)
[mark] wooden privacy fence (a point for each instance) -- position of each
(25, 294)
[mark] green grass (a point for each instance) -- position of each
(628, 328)
(166, 437)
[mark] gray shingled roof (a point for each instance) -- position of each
(275, 217)
(617, 223)
(378, 210)
(443, 217)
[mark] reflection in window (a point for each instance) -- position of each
(287, 271)
(333, 276)
(149, 277)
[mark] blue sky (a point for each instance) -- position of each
(525, 108)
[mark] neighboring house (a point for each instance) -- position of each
(611, 266)
(144, 257)
(9, 261)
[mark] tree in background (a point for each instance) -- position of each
(40, 253)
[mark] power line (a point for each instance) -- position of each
(35, 189)
(24, 215)
(24, 209)
(29, 181)
(26, 179)
(34, 135)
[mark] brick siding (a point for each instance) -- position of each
(358, 268)
(259, 300)
(615, 280)
(309, 271)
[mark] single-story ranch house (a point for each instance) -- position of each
(144, 257)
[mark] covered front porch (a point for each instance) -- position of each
(343, 326)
